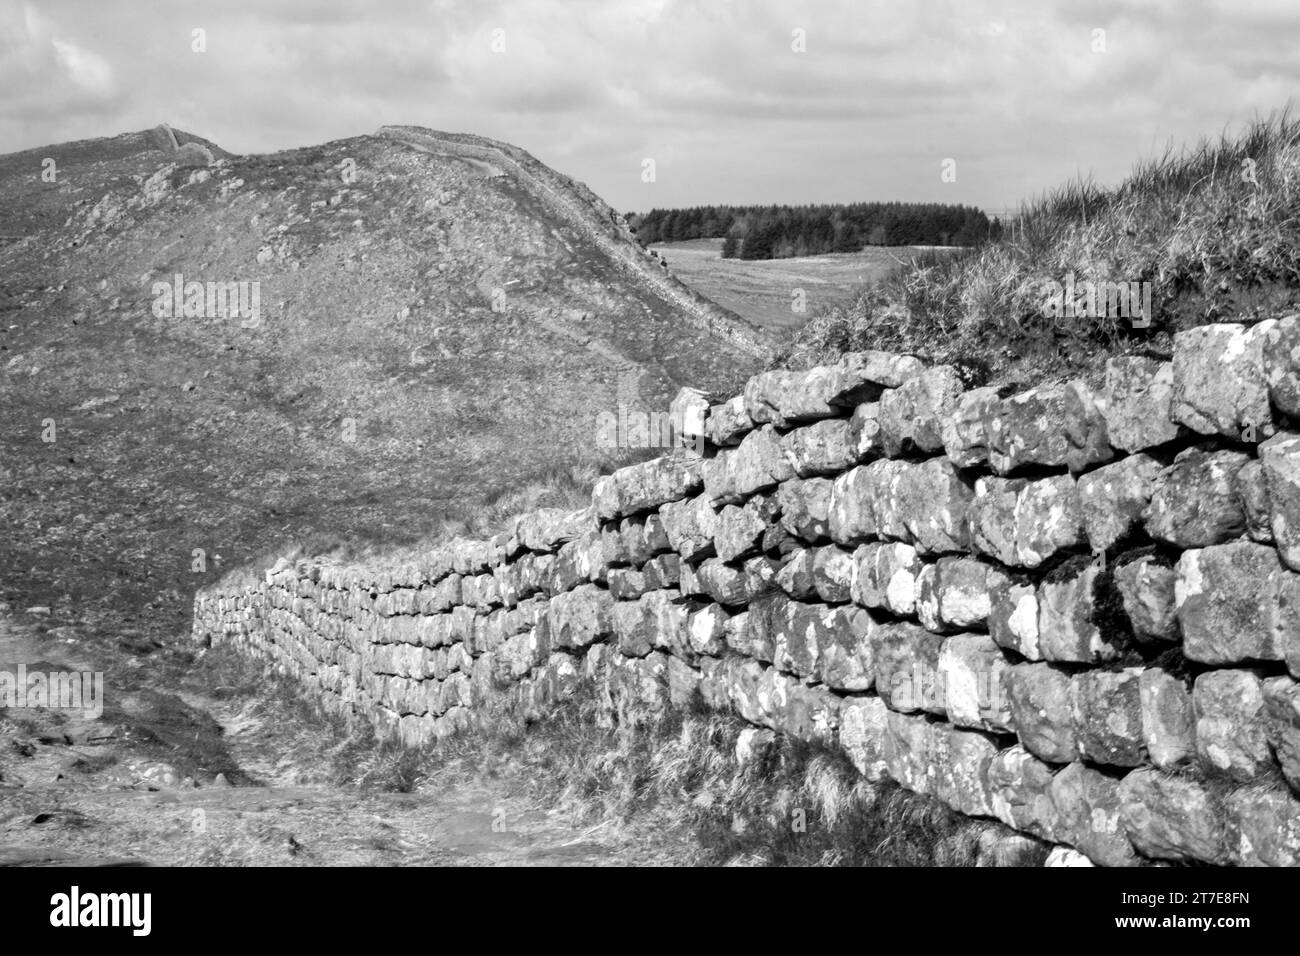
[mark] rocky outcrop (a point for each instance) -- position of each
(1075, 612)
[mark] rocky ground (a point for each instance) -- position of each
(182, 770)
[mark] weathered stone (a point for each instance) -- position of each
(822, 448)
(1013, 615)
(1023, 523)
(964, 429)
(763, 696)
(851, 510)
(639, 686)
(802, 712)
(728, 423)
(927, 601)
(722, 582)
(688, 582)
(1052, 425)
(1020, 787)
(645, 486)
(515, 658)
(742, 679)
(797, 637)
(760, 576)
(643, 538)
(863, 726)
(683, 683)
(1281, 355)
(757, 464)
(1264, 827)
(545, 529)
(740, 529)
(865, 439)
(833, 572)
(1146, 588)
(654, 620)
(1280, 462)
(879, 369)
(579, 561)
(910, 415)
(805, 507)
(846, 660)
(886, 576)
(1107, 712)
(689, 411)
(753, 746)
(925, 505)
(1088, 807)
(783, 397)
(962, 588)
(581, 616)
(796, 576)
(626, 584)
(907, 668)
(910, 751)
(1168, 719)
(1113, 498)
(970, 669)
(1281, 716)
(1173, 818)
(778, 541)
(1038, 696)
(1230, 736)
(961, 780)
(613, 545)
(470, 557)
(1219, 384)
(706, 630)
(1227, 601)
(690, 526)
(752, 633)
(1285, 607)
(1195, 502)
(1138, 402)
(662, 571)
(1068, 616)
(1252, 492)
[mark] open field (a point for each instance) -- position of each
(763, 290)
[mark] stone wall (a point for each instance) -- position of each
(1075, 610)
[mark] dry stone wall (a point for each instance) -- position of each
(1073, 610)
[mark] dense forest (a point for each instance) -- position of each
(778, 232)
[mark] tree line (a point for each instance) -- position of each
(779, 232)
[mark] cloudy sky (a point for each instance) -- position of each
(735, 100)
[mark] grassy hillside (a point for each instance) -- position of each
(1213, 228)
(431, 337)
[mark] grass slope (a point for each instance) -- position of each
(1214, 228)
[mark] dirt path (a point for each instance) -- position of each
(85, 791)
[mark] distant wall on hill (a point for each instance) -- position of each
(598, 222)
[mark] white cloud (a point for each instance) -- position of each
(1010, 88)
(88, 70)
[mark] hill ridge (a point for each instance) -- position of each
(596, 220)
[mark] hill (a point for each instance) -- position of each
(439, 320)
